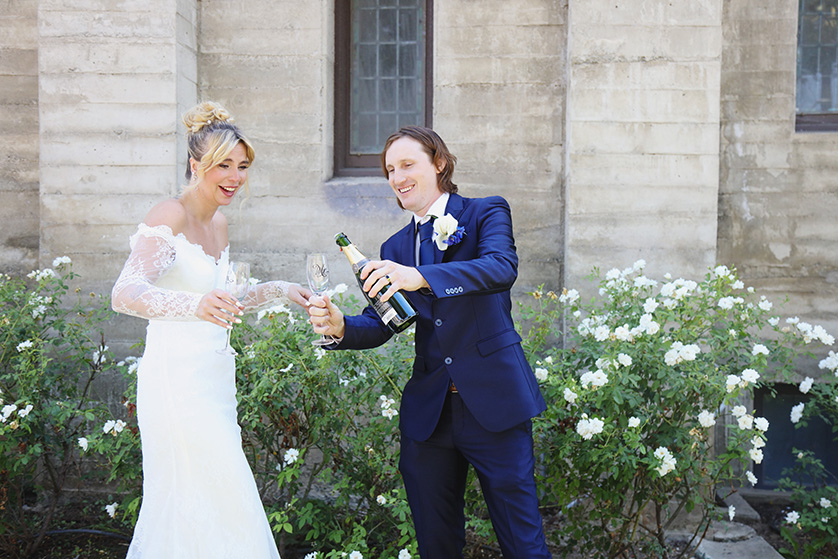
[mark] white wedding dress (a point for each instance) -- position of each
(199, 496)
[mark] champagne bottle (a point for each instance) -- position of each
(397, 312)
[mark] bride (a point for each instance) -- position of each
(199, 496)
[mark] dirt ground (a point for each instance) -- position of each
(102, 542)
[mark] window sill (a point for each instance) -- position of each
(371, 185)
(363, 197)
(827, 122)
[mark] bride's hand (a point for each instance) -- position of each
(299, 294)
(217, 306)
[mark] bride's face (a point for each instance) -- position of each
(223, 181)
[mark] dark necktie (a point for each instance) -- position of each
(426, 244)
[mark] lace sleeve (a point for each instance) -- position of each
(266, 294)
(152, 255)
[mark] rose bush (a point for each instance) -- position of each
(52, 349)
(648, 412)
(647, 370)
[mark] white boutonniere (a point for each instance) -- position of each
(447, 232)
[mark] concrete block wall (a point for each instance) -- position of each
(499, 90)
(642, 136)
(19, 205)
(111, 87)
(599, 121)
(778, 187)
(270, 64)
(497, 103)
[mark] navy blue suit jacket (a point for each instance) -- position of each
(464, 331)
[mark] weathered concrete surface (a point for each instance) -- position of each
(642, 136)
(778, 190)
(617, 130)
(753, 548)
(19, 205)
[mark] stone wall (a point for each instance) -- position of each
(643, 136)
(19, 205)
(499, 103)
(777, 187)
(270, 64)
(113, 79)
(498, 93)
(599, 121)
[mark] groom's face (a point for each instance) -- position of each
(412, 175)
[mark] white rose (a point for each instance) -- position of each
(291, 456)
(761, 424)
(706, 419)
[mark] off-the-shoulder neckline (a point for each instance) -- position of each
(169, 233)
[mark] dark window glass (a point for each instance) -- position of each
(783, 437)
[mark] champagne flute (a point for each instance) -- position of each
(237, 283)
(317, 273)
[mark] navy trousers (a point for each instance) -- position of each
(434, 473)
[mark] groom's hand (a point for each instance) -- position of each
(379, 273)
(325, 317)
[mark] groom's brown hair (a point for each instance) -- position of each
(436, 149)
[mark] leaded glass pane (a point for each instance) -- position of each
(387, 70)
(817, 57)
(387, 124)
(368, 26)
(387, 28)
(811, 5)
(387, 91)
(408, 27)
(366, 128)
(828, 30)
(366, 62)
(368, 95)
(387, 60)
(407, 93)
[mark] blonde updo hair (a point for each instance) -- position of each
(210, 137)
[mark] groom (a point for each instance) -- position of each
(472, 393)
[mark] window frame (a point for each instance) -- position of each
(346, 164)
(816, 122)
(809, 122)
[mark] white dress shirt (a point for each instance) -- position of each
(437, 209)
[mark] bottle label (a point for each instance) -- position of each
(389, 315)
(385, 311)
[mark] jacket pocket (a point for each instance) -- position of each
(498, 341)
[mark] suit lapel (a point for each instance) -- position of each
(407, 245)
(455, 207)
